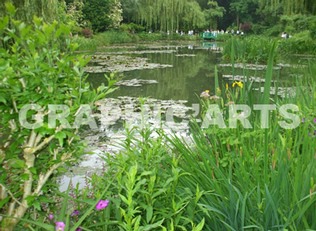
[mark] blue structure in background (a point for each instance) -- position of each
(209, 35)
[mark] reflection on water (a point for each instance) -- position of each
(191, 73)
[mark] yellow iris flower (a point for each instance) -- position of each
(238, 84)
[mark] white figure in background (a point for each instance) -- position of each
(284, 35)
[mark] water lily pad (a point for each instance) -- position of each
(245, 78)
(283, 92)
(135, 82)
(185, 55)
(101, 63)
(248, 66)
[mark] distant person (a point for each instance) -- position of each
(284, 35)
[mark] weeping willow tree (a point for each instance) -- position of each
(290, 7)
(169, 15)
(193, 17)
(26, 9)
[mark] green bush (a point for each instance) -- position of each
(146, 190)
(142, 184)
(274, 31)
(300, 43)
(132, 28)
(39, 68)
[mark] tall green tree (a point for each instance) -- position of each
(130, 8)
(213, 13)
(102, 14)
(244, 10)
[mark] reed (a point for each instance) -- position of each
(258, 178)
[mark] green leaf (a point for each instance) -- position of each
(40, 224)
(149, 213)
(10, 8)
(37, 205)
(153, 226)
(124, 199)
(4, 201)
(3, 100)
(4, 22)
(200, 226)
(61, 136)
(16, 163)
(33, 170)
(25, 176)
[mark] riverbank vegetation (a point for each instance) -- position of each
(227, 177)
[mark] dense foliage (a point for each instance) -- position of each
(40, 78)
(255, 16)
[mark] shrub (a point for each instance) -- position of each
(142, 184)
(87, 33)
(132, 28)
(300, 43)
(38, 68)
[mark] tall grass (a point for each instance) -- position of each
(258, 178)
(251, 49)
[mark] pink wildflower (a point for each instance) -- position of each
(50, 217)
(102, 204)
(60, 226)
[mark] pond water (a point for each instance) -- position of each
(188, 70)
(176, 71)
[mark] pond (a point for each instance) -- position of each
(182, 72)
(170, 76)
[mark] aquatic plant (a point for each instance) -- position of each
(248, 49)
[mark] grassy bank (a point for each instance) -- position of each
(121, 37)
(255, 49)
